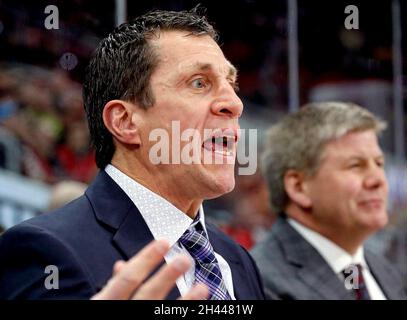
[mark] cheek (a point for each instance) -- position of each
(351, 188)
(349, 193)
(348, 190)
(385, 186)
(338, 191)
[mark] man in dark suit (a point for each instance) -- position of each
(325, 171)
(157, 78)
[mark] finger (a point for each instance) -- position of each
(197, 292)
(134, 272)
(118, 266)
(161, 283)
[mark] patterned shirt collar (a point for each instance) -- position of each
(164, 220)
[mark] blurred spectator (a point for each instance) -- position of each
(74, 156)
(42, 125)
(252, 212)
(9, 146)
(64, 192)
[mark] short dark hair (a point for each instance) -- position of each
(122, 65)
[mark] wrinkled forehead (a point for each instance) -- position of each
(187, 51)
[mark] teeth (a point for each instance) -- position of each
(224, 153)
(221, 145)
(220, 140)
(223, 139)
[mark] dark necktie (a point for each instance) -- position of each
(207, 269)
(360, 289)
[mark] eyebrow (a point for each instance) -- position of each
(207, 66)
(358, 157)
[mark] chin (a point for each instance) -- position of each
(378, 221)
(382, 220)
(221, 185)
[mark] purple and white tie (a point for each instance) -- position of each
(207, 269)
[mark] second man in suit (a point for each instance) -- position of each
(327, 183)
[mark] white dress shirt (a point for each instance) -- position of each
(338, 259)
(166, 221)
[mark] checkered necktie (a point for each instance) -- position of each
(206, 267)
(360, 291)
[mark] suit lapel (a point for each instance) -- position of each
(313, 270)
(114, 208)
(387, 281)
(321, 278)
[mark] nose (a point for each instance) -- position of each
(227, 102)
(376, 177)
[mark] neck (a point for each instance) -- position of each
(159, 184)
(348, 240)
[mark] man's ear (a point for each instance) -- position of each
(296, 188)
(118, 119)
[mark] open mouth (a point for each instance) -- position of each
(221, 144)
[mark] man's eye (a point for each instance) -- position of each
(380, 164)
(199, 83)
(354, 165)
(234, 85)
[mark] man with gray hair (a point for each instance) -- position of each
(325, 172)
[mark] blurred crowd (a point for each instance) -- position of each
(43, 130)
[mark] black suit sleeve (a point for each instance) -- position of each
(25, 252)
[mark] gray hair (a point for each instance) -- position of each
(297, 141)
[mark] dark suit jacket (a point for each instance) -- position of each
(85, 238)
(292, 269)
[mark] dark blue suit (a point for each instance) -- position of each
(85, 238)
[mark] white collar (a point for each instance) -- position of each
(337, 258)
(164, 220)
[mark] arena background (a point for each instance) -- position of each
(288, 52)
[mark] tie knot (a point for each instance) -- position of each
(353, 269)
(198, 245)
